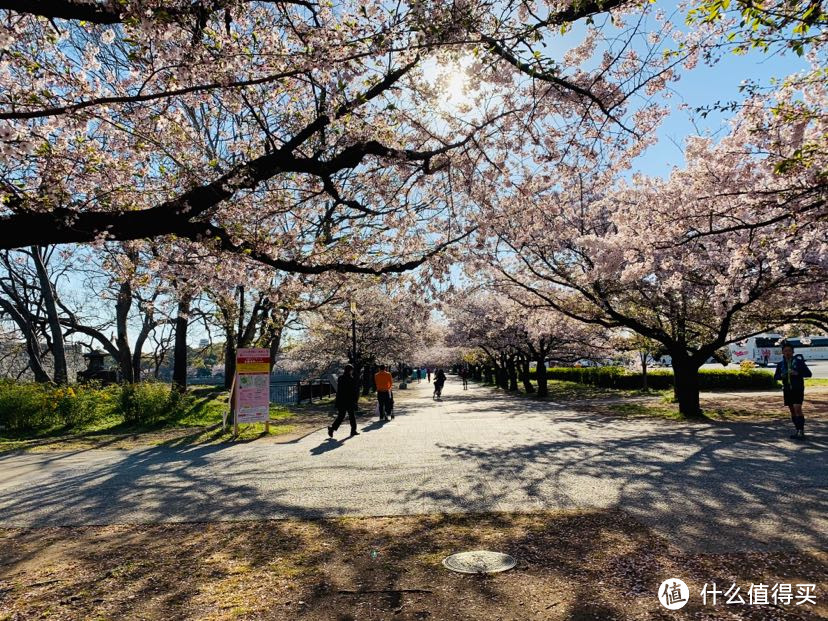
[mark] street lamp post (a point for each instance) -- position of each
(354, 354)
(353, 334)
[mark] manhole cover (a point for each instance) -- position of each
(479, 562)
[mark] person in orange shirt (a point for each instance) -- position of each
(383, 381)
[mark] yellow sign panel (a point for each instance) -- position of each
(253, 367)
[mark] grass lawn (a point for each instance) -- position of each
(562, 390)
(198, 424)
(572, 565)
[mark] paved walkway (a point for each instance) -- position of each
(706, 485)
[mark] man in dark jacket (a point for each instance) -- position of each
(439, 382)
(792, 370)
(346, 400)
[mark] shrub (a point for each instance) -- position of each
(747, 365)
(26, 406)
(150, 403)
(31, 407)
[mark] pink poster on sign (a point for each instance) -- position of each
(253, 385)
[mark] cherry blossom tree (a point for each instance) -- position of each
(725, 248)
(391, 324)
(513, 334)
(434, 349)
(303, 135)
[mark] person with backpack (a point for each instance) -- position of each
(792, 370)
(347, 395)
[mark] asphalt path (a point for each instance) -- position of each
(707, 486)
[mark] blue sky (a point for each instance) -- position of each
(704, 86)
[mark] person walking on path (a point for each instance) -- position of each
(383, 381)
(347, 394)
(792, 370)
(464, 375)
(428, 374)
(419, 375)
(439, 382)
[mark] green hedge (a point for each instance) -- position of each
(31, 407)
(619, 377)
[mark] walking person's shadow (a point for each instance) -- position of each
(328, 444)
(377, 424)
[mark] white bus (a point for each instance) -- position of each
(766, 349)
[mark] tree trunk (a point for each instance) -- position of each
(182, 320)
(540, 377)
(524, 376)
(36, 363)
(501, 377)
(686, 386)
(511, 369)
(278, 319)
(644, 386)
(32, 345)
(229, 356)
(275, 343)
(367, 384)
(122, 306)
(61, 374)
(138, 350)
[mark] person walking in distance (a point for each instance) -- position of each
(464, 375)
(428, 374)
(383, 381)
(347, 394)
(439, 382)
(792, 370)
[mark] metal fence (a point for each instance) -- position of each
(284, 392)
(298, 391)
(205, 381)
(314, 389)
(281, 391)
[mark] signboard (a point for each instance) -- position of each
(252, 385)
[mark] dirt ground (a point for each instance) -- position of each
(571, 565)
(731, 406)
(767, 404)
